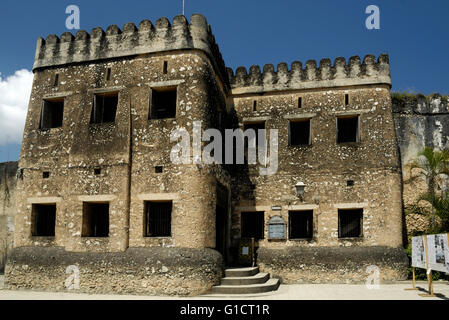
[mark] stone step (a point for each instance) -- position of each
(241, 272)
(270, 285)
(240, 281)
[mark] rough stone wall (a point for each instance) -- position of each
(128, 150)
(72, 152)
(149, 271)
(420, 122)
(325, 166)
(7, 208)
(334, 264)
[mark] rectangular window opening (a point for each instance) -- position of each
(158, 216)
(163, 103)
(97, 171)
(43, 220)
(52, 114)
(159, 169)
(105, 108)
(350, 223)
(253, 225)
(300, 133)
(108, 74)
(95, 220)
(56, 81)
(165, 67)
(346, 99)
(348, 129)
(300, 224)
(350, 183)
(255, 106)
(299, 102)
(46, 175)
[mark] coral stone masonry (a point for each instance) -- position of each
(97, 190)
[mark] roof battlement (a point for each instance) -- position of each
(182, 35)
(371, 71)
(130, 41)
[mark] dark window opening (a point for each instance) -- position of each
(300, 225)
(163, 103)
(105, 108)
(299, 103)
(347, 99)
(300, 133)
(158, 219)
(56, 81)
(159, 169)
(44, 220)
(108, 74)
(52, 114)
(165, 67)
(350, 183)
(95, 220)
(348, 129)
(46, 175)
(350, 223)
(255, 106)
(97, 171)
(253, 225)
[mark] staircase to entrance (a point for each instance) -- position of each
(246, 281)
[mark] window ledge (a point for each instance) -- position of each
(301, 146)
(355, 144)
(96, 238)
(164, 119)
(104, 124)
(49, 130)
(43, 238)
(303, 240)
(161, 238)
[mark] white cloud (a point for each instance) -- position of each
(15, 93)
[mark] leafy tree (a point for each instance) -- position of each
(432, 164)
(441, 209)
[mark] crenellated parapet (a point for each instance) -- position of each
(130, 41)
(310, 76)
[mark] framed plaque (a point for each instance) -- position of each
(277, 229)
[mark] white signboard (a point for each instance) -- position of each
(438, 252)
(418, 253)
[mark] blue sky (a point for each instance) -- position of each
(414, 33)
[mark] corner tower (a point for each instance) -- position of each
(97, 184)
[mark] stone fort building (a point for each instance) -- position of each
(96, 188)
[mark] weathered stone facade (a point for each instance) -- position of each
(126, 164)
(372, 163)
(420, 122)
(7, 209)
